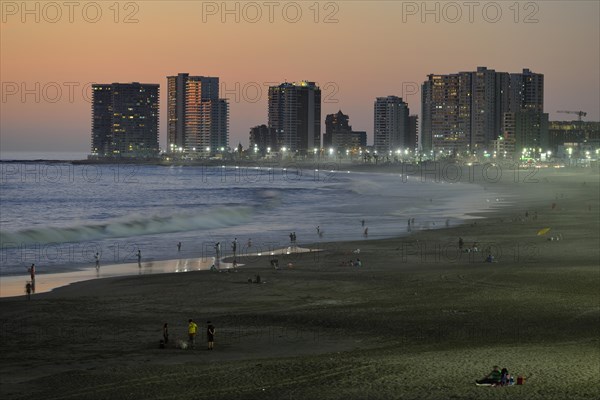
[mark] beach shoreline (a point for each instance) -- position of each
(419, 319)
(12, 285)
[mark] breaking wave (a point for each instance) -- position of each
(131, 226)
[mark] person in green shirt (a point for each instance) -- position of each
(493, 378)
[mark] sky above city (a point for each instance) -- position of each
(51, 52)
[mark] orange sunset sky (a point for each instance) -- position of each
(355, 50)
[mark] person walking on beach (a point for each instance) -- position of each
(97, 258)
(362, 222)
(166, 333)
(179, 246)
(31, 271)
(210, 335)
(28, 290)
(234, 246)
(139, 256)
(460, 243)
(217, 251)
(249, 242)
(192, 330)
(366, 232)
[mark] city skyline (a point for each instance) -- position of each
(351, 66)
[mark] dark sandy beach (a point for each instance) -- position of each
(419, 320)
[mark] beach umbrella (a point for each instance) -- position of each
(543, 231)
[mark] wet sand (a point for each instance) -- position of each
(14, 285)
(419, 320)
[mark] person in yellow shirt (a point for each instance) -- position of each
(192, 329)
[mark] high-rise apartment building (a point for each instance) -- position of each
(467, 111)
(391, 127)
(339, 134)
(295, 116)
(125, 120)
(198, 120)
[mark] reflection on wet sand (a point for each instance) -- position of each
(13, 285)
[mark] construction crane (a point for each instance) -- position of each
(578, 113)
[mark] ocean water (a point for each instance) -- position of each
(59, 215)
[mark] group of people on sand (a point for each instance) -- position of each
(192, 332)
(496, 378)
(352, 263)
(475, 249)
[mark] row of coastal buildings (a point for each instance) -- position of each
(481, 112)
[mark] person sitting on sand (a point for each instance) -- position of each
(504, 377)
(490, 258)
(493, 378)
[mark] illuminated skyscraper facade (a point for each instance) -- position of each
(467, 111)
(295, 116)
(391, 127)
(198, 120)
(125, 120)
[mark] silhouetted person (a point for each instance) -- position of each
(210, 335)
(28, 290)
(31, 271)
(166, 333)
